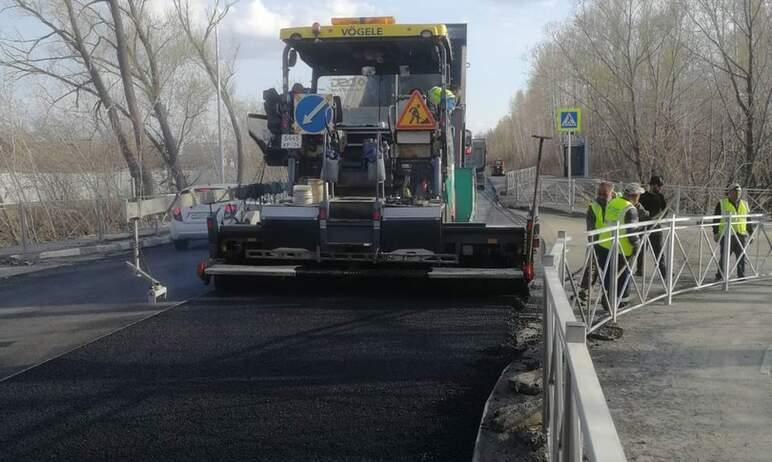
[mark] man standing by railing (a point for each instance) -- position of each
(620, 210)
(595, 219)
(730, 206)
(654, 202)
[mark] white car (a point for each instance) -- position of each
(195, 205)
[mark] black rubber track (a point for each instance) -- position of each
(269, 378)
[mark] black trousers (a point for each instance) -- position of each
(590, 275)
(622, 281)
(655, 240)
(736, 249)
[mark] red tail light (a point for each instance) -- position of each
(201, 271)
(528, 272)
(210, 223)
(322, 213)
(177, 214)
(468, 151)
(376, 215)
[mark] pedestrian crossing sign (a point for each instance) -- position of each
(570, 120)
(416, 115)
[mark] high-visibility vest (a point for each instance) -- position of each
(435, 97)
(739, 225)
(598, 211)
(615, 211)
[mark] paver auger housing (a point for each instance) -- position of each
(374, 151)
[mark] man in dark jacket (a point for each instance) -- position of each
(654, 202)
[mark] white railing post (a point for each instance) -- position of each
(23, 226)
(726, 251)
(575, 333)
(562, 264)
(670, 260)
(613, 267)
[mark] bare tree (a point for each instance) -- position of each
(121, 50)
(200, 40)
(737, 48)
(150, 75)
(74, 63)
(647, 79)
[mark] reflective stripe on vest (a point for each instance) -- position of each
(598, 211)
(615, 211)
(739, 225)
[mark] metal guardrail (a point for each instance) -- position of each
(29, 223)
(577, 421)
(684, 200)
(676, 255)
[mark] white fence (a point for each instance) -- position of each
(577, 421)
(674, 255)
(683, 200)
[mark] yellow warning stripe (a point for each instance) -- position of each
(364, 31)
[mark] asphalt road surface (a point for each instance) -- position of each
(46, 313)
(306, 373)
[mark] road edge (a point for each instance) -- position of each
(50, 257)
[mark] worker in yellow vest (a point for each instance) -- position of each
(741, 228)
(595, 219)
(622, 210)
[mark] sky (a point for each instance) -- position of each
(501, 35)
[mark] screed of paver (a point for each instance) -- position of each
(686, 381)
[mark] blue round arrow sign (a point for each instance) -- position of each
(313, 113)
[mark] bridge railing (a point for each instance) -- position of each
(557, 193)
(674, 255)
(577, 421)
(677, 255)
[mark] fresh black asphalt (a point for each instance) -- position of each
(46, 313)
(305, 374)
(268, 378)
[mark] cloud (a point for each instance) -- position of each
(262, 20)
(161, 8)
(255, 24)
(259, 21)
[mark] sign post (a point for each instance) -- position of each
(569, 120)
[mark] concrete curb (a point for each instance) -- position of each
(97, 249)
